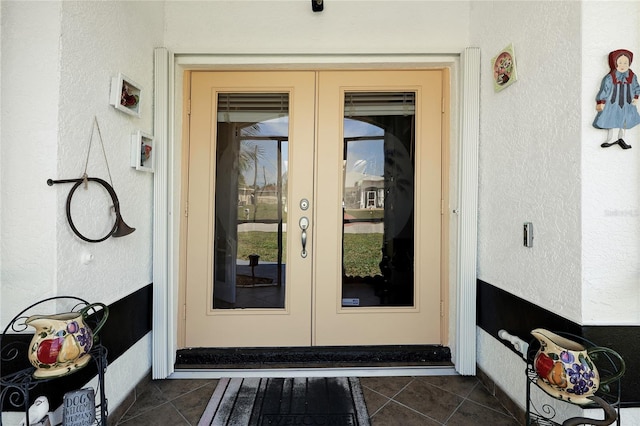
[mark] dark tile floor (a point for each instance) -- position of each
(406, 401)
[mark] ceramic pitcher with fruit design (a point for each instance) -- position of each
(566, 370)
(62, 342)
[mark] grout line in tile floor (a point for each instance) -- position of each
(455, 410)
(392, 399)
(179, 412)
(413, 410)
(467, 399)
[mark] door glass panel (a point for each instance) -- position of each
(378, 200)
(250, 200)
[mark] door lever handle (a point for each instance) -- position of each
(304, 224)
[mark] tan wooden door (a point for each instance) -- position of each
(314, 208)
(412, 315)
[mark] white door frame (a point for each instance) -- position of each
(465, 67)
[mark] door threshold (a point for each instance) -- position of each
(318, 361)
(314, 356)
(215, 373)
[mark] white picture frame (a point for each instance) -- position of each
(142, 151)
(126, 95)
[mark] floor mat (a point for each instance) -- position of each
(335, 401)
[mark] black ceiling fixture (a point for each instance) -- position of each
(317, 5)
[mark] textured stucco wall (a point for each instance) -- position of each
(540, 161)
(57, 64)
(98, 41)
(59, 59)
(529, 166)
(290, 26)
(30, 78)
(611, 177)
(530, 153)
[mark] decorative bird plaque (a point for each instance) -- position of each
(79, 408)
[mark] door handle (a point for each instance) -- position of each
(304, 224)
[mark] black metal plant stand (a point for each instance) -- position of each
(608, 397)
(16, 387)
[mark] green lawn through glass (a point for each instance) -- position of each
(362, 251)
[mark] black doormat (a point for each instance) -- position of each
(316, 356)
(334, 401)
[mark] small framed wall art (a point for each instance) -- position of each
(504, 68)
(142, 151)
(126, 95)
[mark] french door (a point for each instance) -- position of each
(314, 208)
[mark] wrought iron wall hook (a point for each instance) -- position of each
(119, 229)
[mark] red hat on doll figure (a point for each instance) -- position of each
(615, 55)
(613, 64)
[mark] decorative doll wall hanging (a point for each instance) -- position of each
(617, 99)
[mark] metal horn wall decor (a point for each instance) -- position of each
(119, 228)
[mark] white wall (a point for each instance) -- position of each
(28, 148)
(290, 26)
(610, 177)
(541, 161)
(98, 41)
(57, 64)
(58, 59)
(530, 146)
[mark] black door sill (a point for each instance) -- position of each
(314, 357)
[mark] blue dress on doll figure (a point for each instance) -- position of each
(617, 99)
